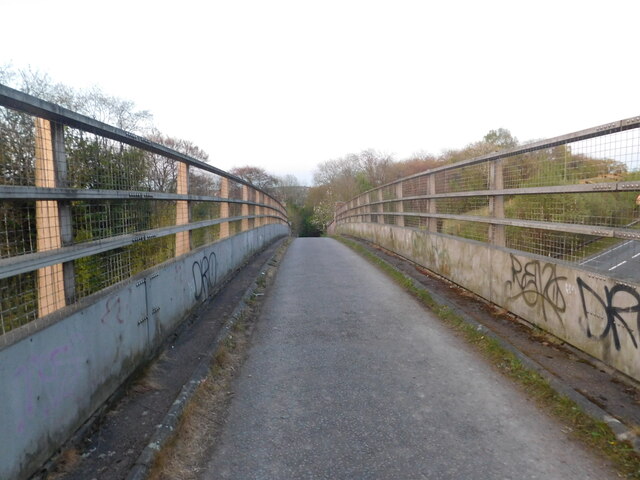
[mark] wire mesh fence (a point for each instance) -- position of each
(463, 179)
(17, 147)
(96, 220)
(120, 203)
(17, 228)
(97, 272)
(95, 162)
(573, 198)
(18, 301)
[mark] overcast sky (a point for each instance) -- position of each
(288, 84)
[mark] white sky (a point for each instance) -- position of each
(288, 84)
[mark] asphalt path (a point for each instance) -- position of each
(348, 377)
(621, 261)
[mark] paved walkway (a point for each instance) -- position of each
(350, 378)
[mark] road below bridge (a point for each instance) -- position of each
(620, 261)
(349, 377)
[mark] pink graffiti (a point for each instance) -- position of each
(54, 375)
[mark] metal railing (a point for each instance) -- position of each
(86, 205)
(573, 198)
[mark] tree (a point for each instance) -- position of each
(376, 168)
(340, 179)
(354, 173)
(323, 214)
(493, 141)
(258, 177)
(418, 162)
(92, 102)
(500, 138)
(300, 217)
(163, 171)
(290, 192)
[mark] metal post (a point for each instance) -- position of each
(399, 205)
(431, 190)
(496, 203)
(64, 209)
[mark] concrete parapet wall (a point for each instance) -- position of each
(53, 379)
(594, 313)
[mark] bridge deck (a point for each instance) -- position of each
(349, 377)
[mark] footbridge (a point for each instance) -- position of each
(109, 240)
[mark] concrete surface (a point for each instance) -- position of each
(350, 378)
(601, 391)
(593, 312)
(70, 362)
(113, 446)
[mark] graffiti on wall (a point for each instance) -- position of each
(438, 256)
(205, 273)
(48, 382)
(610, 311)
(113, 311)
(538, 285)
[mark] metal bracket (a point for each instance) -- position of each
(142, 238)
(144, 319)
(608, 126)
(629, 186)
(605, 186)
(596, 277)
(629, 235)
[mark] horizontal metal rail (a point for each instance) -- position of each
(596, 230)
(554, 190)
(607, 128)
(23, 102)
(33, 261)
(71, 194)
